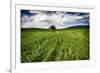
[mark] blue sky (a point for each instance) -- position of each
(60, 19)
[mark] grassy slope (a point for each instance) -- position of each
(44, 45)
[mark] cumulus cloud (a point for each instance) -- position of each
(44, 19)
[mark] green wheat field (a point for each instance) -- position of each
(44, 45)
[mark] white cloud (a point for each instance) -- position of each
(31, 11)
(43, 20)
(41, 17)
(24, 18)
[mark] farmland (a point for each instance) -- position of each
(43, 45)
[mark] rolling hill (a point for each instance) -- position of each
(43, 45)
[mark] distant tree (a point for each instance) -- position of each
(52, 27)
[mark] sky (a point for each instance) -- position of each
(60, 19)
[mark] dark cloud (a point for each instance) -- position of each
(27, 12)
